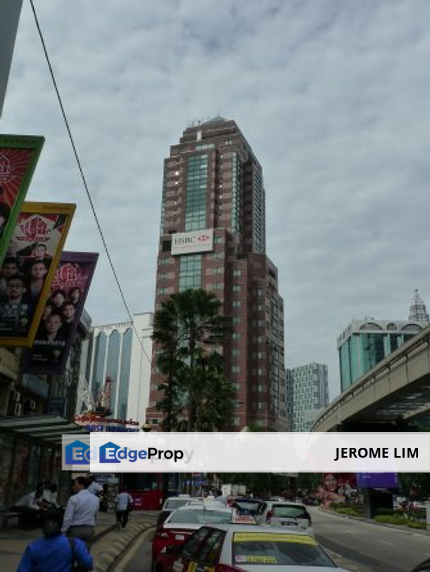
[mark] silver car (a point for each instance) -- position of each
(285, 513)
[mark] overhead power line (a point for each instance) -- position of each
(81, 171)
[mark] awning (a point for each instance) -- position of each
(46, 428)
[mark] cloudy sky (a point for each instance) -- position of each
(332, 95)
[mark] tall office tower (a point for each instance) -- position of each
(307, 390)
(418, 311)
(122, 352)
(213, 236)
(364, 343)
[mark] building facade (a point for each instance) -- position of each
(121, 352)
(213, 236)
(364, 343)
(307, 394)
(10, 11)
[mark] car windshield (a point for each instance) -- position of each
(201, 516)
(176, 503)
(289, 511)
(277, 549)
(248, 505)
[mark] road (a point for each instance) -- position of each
(355, 545)
(366, 547)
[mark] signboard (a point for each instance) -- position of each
(192, 242)
(377, 480)
(18, 158)
(61, 314)
(33, 255)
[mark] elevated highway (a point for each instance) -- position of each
(392, 394)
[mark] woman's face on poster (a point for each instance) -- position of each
(330, 482)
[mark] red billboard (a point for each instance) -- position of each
(61, 313)
(18, 158)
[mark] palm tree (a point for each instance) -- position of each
(188, 327)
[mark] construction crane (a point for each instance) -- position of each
(84, 393)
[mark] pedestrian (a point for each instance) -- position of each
(93, 486)
(30, 507)
(123, 507)
(54, 552)
(81, 513)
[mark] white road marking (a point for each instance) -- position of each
(384, 541)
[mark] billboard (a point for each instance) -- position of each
(61, 314)
(18, 158)
(192, 242)
(377, 480)
(32, 257)
(336, 487)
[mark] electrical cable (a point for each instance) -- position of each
(81, 171)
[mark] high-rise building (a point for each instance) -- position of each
(213, 236)
(364, 343)
(122, 352)
(418, 311)
(307, 395)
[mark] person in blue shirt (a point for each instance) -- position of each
(54, 552)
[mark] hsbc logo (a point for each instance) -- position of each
(194, 241)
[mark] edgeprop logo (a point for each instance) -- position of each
(77, 453)
(113, 453)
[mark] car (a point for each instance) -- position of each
(181, 524)
(171, 504)
(245, 504)
(237, 548)
(291, 514)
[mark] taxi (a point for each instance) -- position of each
(180, 525)
(238, 548)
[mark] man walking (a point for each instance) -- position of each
(123, 507)
(81, 513)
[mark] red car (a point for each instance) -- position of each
(180, 525)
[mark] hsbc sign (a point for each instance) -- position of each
(192, 242)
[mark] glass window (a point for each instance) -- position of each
(124, 374)
(190, 547)
(211, 547)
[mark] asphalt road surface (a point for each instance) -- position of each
(355, 545)
(366, 547)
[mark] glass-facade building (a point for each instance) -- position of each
(307, 394)
(122, 352)
(214, 195)
(364, 343)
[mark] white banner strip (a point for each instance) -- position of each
(250, 452)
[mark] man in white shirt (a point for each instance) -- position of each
(124, 503)
(94, 487)
(29, 505)
(50, 494)
(81, 513)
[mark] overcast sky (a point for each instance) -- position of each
(332, 95)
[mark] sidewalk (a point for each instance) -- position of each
(109, 544)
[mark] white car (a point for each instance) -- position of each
(238, 548)
(285, 514)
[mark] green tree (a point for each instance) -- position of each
(188, 327)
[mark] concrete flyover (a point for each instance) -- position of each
(394, 393)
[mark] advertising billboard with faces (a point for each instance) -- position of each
(61, 314)
(27, 271)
